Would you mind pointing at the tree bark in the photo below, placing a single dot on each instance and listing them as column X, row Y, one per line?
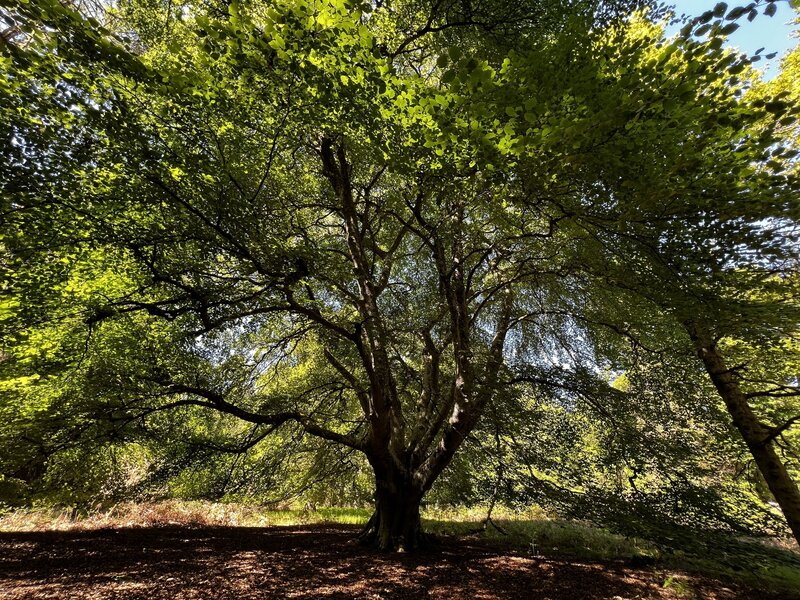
column 395, row 525
column 756, row 435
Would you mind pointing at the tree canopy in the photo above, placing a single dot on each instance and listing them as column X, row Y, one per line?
column 406, row 229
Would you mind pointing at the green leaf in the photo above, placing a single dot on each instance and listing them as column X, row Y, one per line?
column 704, row 29
column 736, row 13
column 705, row 17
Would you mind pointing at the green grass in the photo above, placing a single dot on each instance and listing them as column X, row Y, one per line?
column 176, row 512
column 537, row 533
column 765, row 563
column 780, row 573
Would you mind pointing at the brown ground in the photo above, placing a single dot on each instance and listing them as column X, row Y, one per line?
column 314, row 561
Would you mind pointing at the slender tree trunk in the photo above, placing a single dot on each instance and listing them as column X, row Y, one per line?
column 756, row 435
column 395, row 524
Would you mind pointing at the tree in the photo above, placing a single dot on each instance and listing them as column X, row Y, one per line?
column 350, row 220
column 716, row 249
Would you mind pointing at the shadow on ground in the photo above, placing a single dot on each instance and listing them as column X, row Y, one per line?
column 315, row 561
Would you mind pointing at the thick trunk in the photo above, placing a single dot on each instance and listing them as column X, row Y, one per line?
column 395, row 524
column 756, row 435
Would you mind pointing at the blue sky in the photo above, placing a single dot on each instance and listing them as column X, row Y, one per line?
column 774, row 34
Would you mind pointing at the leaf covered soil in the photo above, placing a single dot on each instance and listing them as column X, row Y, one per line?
column 315, row 561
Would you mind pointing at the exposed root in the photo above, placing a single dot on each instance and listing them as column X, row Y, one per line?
column 375, row 536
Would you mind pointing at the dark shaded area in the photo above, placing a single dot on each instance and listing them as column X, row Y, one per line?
column 302, row 562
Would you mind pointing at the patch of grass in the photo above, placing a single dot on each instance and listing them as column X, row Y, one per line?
column 772, row 575
column 680, row 586
column 788, row 577
column 539, row 533
column 188, row 513
column 759, row 563
column 345, row 516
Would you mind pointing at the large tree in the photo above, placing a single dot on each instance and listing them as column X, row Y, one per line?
column 353, row 220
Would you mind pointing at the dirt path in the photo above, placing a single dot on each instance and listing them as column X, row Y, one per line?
column 303, row 562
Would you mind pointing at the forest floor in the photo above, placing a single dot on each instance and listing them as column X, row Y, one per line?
column 115, row 558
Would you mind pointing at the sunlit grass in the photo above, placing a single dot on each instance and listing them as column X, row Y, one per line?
column 190, row 513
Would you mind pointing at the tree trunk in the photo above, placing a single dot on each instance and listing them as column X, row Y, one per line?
column 756, row 435
column 395, row 525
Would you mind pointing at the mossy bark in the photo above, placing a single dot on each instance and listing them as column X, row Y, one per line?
column 756, row 435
